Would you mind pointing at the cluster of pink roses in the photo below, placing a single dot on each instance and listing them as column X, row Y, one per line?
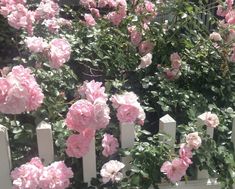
column 128, row 108
column 34, row 175
column 174, row 71
column 120, row 7
column 19, row 91
column 19, row 16
column 85, row 116
column 227, row 11
column 57, row 51
column 176, row 169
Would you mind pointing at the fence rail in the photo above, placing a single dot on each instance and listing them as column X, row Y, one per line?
column 46, row 152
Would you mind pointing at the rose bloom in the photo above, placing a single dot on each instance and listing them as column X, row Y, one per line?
column 35, row 44
column 55, row 176
column 47, row 9
column 214, row 36
column 101, row 114
column 221, row 11
column 89, row 20
column 59, row 53
column 193, row 140
column 127, row 113
column 26, row 176
column 19, row 92
column 145, row 47
column 172, row 74
column 110, row 145
column 88, row 3
column 78, row 145
column 230, row 17
column 185, row 154
column 146, row 61
column 136, row 36
column 52, row 25
column 21, row 17
column 174, row 170
column 110, row 171
column 95, row 12
column 80, row 116
column 92, row 90
column 211, row 120
column 125, row 98
column 175, row 61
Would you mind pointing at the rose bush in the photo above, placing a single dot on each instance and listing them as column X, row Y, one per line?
column 160, row 50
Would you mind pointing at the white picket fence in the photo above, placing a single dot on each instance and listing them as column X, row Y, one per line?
column 46, row 151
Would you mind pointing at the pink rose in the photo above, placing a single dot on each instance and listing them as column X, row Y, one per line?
column 174, row 170
column 21, row 17
column 221, row 11
column 26, row 176
column 145, row 47
column 186, row 154
column 59, row 53
column 19, row 92
column 127, row 113
column 47, row 9
column 35, row 44
column 211, row 120
column 101, row 111
column 78, row 145
column 88, row 3
column 172, row 74
column 55, row 176
column 175, row 61
column 145, row 61
column 136, row 36
column 90, row 21
column 214, row 36
column 230, row 17
column 52, row 25
column 110, row 145
column 193, row 140
column 80, row 116
column 92, row 90
column 110, row 171
column 95, row 12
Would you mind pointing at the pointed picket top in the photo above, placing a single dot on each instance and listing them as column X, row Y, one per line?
column 45, row 142
column 5, row 159
column 201, row 121
column 167, row 125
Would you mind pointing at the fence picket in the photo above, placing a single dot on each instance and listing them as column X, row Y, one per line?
column 45, row 142
column 127, row 138
column 5, row 159
column 89, row 163
column 167, row 125
column 233, row 133
column 203, row 174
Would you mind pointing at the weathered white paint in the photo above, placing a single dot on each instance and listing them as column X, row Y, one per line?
column 127, row 138
column 233, row 132
column 5, row 159
column 203, row 174
column 167, row 125
column 89, row 163
column 45, row 142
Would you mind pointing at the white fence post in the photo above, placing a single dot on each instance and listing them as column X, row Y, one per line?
column 203, row 174
column 233, row 133
column 89, row 163
column 5, row 159
column 45, row 142
column 127, row 138
column 167, row 125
